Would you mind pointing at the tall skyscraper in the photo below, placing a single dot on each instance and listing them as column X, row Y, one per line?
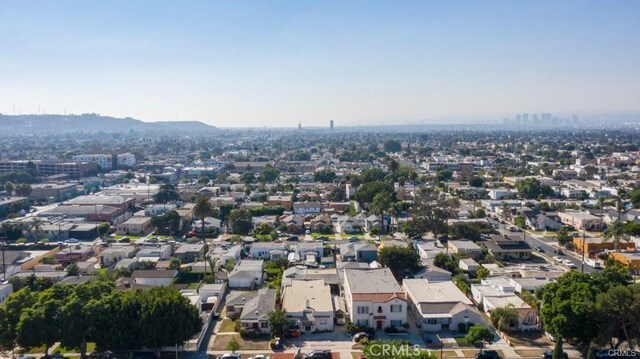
column 331, row 125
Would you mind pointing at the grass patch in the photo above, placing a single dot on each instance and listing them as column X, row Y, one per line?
column 220, row 343
column 36, row 350
column 462, row 342
column 445, row 353
column 533, row 353
column 470, row 353
column 194, row 286
column 227, row 326
column 91, row 347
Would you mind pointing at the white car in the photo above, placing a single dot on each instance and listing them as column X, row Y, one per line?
column 557, row 259
column 260, row 356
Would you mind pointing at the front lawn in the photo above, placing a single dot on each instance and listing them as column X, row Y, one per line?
column 462, row 342
column 220, row 343
column 227, row 326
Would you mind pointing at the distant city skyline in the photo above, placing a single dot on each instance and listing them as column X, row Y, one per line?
column 277, row 64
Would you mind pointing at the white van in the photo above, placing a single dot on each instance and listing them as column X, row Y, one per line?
column 592, row 263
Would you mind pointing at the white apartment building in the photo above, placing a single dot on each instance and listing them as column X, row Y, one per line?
column 106, row 161
column 374, row 298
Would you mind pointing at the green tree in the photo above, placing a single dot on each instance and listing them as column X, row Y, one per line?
column 265, row 232
column 233, row 345
column 520, row 222
column 167, row 193
column 391, row 146
column 618, row 311
column 369, row 190
column 444, row 175
column 400, row 260
column 72, row 269
column 616, row 232
column 557, row 349
column 202, row 210
column 103, row 229
column 430, row 211
column 10, row 314
column 530, row 188
column 41, row 324
column 563, row 236
column 504, row 318
column 324, row 176
column 277, row 321
column 380, row 204
column 482, row 272
column 269, row 174
column 479, row 334
column 240, row 221
column 81, row 313
column 175, row 264
column 34, row 228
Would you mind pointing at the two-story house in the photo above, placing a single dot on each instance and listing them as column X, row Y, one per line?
column 374, row 298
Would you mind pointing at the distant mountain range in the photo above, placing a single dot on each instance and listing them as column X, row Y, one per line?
column 92, row 123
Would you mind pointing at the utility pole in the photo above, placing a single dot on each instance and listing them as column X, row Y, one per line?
column 4, row 264
column 583, row 243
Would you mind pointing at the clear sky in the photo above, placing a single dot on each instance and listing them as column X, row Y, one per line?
column 270, row 63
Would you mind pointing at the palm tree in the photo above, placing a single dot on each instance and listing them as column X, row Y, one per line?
column 381, row 203
column 202, row 210
column 616, row 232
column 504, row 318
column 34, row 228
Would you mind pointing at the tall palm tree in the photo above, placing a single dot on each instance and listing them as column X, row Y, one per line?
column 380, row 204
column 504, row 318
column 34, row 228
column 202, row 210
column 616, row 232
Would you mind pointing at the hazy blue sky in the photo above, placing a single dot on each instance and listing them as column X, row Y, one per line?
column 268, row 63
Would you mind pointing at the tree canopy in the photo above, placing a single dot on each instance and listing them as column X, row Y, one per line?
column 400, row 260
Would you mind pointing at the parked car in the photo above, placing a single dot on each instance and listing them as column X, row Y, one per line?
column 292, row 239
column 488, row 354
column 353, row 239
column 230, row 356
column 322, row 238
column 359, row 336
column 260, row 356
column 549, row 355
column 539, row 249
column 558, row 251
column 318, row 354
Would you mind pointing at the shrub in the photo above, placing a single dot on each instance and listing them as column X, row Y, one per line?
column 391, row 329
column 237, row 326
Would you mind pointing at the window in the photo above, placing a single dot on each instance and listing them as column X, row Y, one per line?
column 363, row 322
column 362, row 310
column 396, row 323
column 379, row 309
column 323, row 321
column 432, row 321
column 396, row 308
column 264, row 325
